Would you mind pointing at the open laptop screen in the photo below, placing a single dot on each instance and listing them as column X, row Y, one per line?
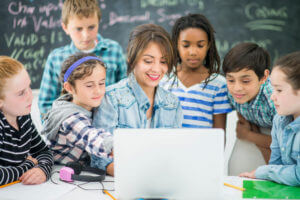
column 169, row 163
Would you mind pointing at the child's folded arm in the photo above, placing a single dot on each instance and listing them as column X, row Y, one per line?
column 284, row 174
column 12, row 173
column 42, row 153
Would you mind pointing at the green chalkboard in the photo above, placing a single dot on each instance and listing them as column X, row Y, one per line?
column 30, row 29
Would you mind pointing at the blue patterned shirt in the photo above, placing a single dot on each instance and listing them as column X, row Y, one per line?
column 284, row 164
column 259, row 111
column 108, row 50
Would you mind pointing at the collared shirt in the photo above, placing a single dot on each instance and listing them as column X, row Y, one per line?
column 125, row 105
column 108, row 50
column 284, row 164
column 76, row 139
column 200, row 101
column 260, row 110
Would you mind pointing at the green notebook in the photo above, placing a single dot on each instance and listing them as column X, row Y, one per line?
column 269, row 190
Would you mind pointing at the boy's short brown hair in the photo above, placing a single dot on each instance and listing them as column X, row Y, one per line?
column 80, row 8
column 9, row 67
column 248, row 56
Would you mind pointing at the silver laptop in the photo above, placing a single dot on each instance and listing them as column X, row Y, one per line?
column 169, row 163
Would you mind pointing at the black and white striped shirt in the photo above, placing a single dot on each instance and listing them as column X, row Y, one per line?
column 16, row 145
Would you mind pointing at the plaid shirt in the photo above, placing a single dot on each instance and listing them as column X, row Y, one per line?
column 77, row 138
column 108, row 50
column 260, row 110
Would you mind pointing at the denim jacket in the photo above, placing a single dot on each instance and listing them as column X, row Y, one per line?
column 125, row 105
column 284, row 164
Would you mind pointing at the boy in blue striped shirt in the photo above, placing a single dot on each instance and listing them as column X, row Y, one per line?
column 80, row 20
column 246, row 67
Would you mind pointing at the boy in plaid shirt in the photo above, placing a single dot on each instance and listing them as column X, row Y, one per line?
column 246, row 67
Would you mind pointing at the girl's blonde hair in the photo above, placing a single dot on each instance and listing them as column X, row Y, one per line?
column 83, row 70
column 9, row 67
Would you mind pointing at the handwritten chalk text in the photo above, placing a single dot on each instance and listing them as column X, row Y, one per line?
column 115, row 18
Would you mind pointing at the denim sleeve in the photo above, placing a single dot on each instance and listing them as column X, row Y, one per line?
column 276, row 171
column 284, row 174
column 100, row 162
column 50, row 86
column 275, row 158
column 106, row 115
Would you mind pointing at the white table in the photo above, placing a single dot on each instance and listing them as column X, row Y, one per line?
column 229, row 193
column 66, row 191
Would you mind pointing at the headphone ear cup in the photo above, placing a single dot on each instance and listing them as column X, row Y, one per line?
column 77, row 167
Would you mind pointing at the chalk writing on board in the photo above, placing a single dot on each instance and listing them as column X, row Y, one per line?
column 16, row 8
column 171, row 3
column 167, row 17
column 47, row 22
column 264, row 18
column 115, row 18
column 32, row 28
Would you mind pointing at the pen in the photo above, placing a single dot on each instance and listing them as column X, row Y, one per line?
column 2, row 186
column 235, row 187
column 111, row 196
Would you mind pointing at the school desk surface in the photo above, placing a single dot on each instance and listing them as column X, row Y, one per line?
column 59, row 190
